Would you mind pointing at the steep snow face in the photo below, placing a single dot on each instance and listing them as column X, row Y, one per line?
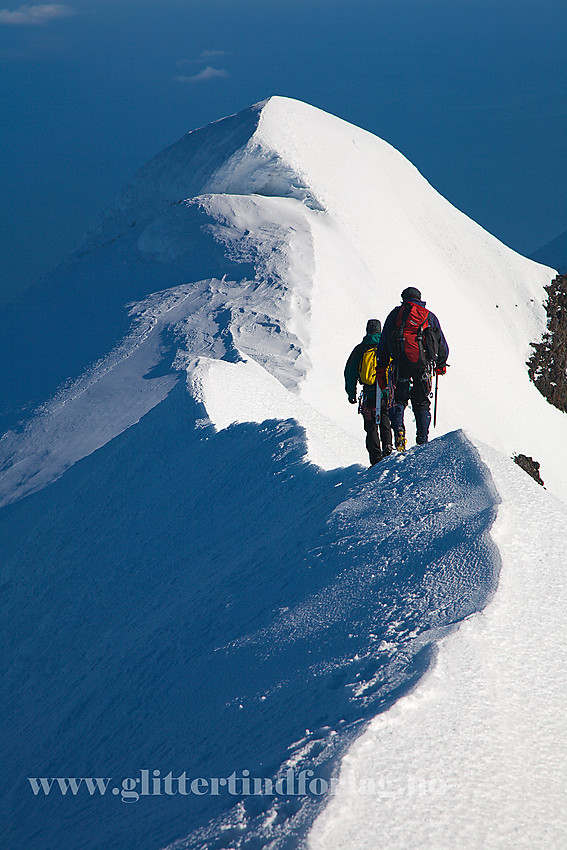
column 281, row 229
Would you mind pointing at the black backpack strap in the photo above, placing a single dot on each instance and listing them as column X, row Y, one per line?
column 397, row 348
column 403, row 315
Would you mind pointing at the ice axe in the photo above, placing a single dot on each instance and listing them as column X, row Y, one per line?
column 435, row 401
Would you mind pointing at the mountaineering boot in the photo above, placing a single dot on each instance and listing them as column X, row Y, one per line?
column 387, row 450
column 421, row 440
column 401, row 439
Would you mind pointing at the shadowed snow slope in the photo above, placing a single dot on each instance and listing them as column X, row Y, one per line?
column 208, row 602
column 199, row 575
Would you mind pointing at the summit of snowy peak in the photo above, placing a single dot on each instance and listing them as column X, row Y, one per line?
column 228, row 156
column 176, row 173
column 279, row 147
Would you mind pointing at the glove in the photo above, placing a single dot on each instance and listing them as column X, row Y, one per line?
column 352, row 399
column 440, row 370
column 381, row 377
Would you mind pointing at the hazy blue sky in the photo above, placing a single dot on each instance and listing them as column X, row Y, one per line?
column 473, row 92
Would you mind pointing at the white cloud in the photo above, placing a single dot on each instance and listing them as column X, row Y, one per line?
column 29, row 16
column 211, row 54
column 204, row 56
column 207, row 73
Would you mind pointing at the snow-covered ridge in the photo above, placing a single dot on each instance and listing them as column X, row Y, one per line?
column 198, row 567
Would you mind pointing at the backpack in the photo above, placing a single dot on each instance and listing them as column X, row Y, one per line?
column 367, row 367
column 413, row 338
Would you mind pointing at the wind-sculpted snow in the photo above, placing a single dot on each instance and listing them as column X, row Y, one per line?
column 166, row 230
column 179, row 172
column 270, row 240
column 251, row 315
column 162, row 618
column 474, row 757
column 226, row 157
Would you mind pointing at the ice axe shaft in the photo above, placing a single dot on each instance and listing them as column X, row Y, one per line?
column 435, row 402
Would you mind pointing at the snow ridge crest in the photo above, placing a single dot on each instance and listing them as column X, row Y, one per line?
column 224, row 157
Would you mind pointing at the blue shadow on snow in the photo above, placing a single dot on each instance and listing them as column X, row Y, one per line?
column 186, row 600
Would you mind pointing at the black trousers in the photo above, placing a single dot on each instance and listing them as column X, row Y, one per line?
column 376, row 434
column 412, row 382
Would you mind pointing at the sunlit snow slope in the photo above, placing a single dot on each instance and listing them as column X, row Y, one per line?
column 199, row 571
